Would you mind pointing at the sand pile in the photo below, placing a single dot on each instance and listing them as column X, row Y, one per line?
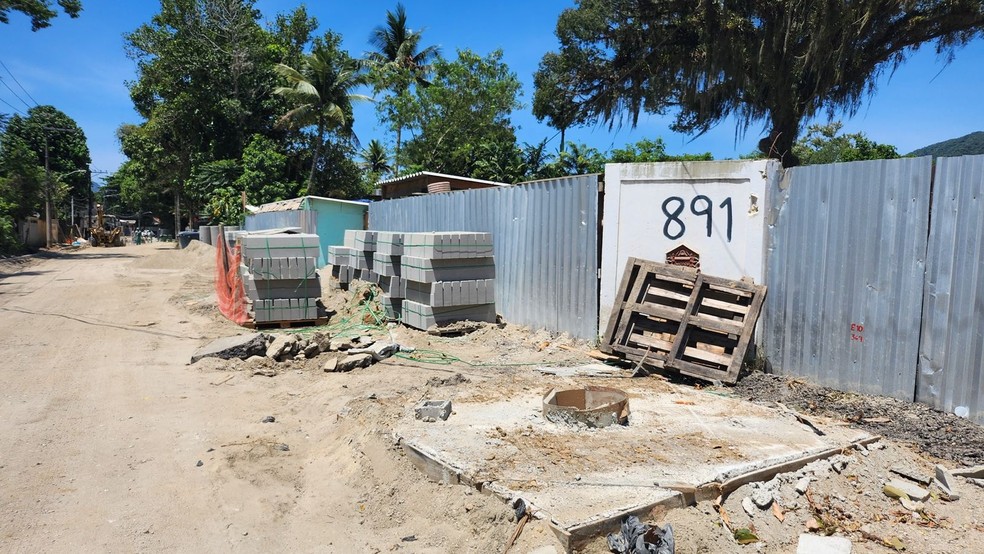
column 196, row 256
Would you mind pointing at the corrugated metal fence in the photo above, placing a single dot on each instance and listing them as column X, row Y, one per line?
column 305, row 219
column 545, row 241
column 952, row 349
column 859, row 298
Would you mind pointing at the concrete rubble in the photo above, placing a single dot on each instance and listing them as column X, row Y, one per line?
column 228, row 348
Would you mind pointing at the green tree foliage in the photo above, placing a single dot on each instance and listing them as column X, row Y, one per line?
column 468, row 104
column 21, row 188
column 263, row 168
column 398, row 63
column 823, row 145
column 777, row 62
column 647, row 150
column 204, row 86
column 40, row 11
column 375, row 162
column 68, row 152
column 555, row 99
column 321, row 94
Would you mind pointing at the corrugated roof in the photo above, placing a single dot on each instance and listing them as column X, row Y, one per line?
column 441, row 175
column 281, row 206
column 297, row 204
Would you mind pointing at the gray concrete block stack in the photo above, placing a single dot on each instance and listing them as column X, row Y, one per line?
column 279, row 276
column 427, row 279
column 449, row 277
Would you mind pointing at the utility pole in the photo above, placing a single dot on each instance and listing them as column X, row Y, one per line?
column 47, row 195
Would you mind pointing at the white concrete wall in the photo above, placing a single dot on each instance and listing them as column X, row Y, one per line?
column 642, row 199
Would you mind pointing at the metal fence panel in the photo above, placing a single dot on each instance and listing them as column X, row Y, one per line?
column 846, row 248
column 305, row 219
column 952, row 348
column 545, row 237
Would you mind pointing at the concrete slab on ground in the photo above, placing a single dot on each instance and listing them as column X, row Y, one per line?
column 682, row 445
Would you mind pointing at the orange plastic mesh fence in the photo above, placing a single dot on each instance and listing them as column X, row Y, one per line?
column 229, row 282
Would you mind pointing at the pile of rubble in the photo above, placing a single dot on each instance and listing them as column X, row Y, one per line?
column 350, row 352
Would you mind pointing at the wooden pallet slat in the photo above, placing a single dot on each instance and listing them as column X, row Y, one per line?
column 711, row 327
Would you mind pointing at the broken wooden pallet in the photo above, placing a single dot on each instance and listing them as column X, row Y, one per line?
column 676, row 318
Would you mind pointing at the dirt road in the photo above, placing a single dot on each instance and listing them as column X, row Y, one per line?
column 103, row 425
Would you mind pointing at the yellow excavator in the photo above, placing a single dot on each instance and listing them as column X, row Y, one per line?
column 104, row 234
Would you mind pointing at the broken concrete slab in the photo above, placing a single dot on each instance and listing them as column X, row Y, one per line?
column 748, row 505
column 236, row 347
column 947, row 483
column 896, row 488
column 762, row 497
column 976, row 472
column 681, row 446
column 816, row 544
column 281, row 344
column 330, row 366
column 911, row 474
column 354, row 361
column 803, row 484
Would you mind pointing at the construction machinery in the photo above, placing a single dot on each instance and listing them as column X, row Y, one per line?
column 105, row 233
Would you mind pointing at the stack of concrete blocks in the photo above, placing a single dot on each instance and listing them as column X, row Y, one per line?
column 449, row 277
column 279, row 276
column 387, row 266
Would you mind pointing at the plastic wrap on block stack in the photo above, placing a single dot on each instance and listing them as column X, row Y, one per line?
column 279, row 276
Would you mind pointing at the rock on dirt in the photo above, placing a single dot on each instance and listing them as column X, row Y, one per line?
column 354, row 361
column 235, row 347
column 281, row 345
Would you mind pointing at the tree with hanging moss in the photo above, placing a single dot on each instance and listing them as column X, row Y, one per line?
column 775, row 62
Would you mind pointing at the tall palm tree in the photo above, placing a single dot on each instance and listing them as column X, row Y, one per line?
column 321, row 92
column 375, row 160
column 399, row 55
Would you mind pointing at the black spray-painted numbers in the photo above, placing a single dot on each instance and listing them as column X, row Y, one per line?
column 673, row 207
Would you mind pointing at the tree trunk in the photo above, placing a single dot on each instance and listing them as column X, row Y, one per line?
column 779, row 143
column 318, row 141
column 563, row 132
column 396, row 155
column 177, row 216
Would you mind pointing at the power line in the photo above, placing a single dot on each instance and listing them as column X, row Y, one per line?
column 12, row 91
column 13, row 107
column 3, row 65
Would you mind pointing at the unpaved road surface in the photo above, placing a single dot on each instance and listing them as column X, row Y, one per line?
column 111, row 442
column 103, row 424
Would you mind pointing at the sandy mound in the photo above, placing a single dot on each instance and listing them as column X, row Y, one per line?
column 197, row 256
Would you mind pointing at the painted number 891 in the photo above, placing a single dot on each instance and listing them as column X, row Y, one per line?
column 701, row 205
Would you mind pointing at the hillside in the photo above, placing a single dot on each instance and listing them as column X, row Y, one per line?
column 963, row 146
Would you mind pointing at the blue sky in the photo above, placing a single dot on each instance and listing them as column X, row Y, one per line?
column 79, row 66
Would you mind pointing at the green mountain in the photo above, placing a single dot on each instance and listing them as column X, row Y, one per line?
column 963, row 146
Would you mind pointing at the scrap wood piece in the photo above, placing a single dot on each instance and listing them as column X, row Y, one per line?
column 711, row 320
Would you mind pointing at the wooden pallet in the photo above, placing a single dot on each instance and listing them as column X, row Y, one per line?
column 676, row 318
column 287, row 324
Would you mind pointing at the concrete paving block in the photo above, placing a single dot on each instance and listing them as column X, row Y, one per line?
column 433, row 410
column 239, row 346
column 393, row 307
column 286, row 288
column 422, row 316
column 362, row 260
column 340, row 255
column 389, row 243
column 364, row 240
column 304, row 245
column 427, row 270
column 394, row 287
column 386, row 264
column 816, row 544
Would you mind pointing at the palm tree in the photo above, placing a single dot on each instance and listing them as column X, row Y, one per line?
column 321, row 92
column 399, row 57
column 375, row 160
